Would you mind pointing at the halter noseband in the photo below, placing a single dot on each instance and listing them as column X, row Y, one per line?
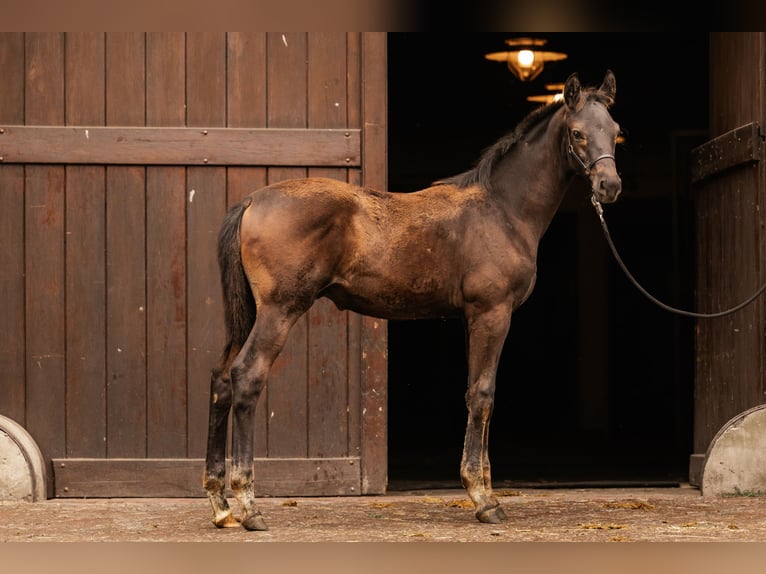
column 586, row 166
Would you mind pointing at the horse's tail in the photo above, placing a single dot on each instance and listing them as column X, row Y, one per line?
column 238, row 301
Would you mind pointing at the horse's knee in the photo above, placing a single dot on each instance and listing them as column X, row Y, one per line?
column 247, row 385
column 246, row 396
column 220, row 389
column 480, row 400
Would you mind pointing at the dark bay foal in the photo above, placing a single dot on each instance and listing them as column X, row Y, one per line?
column 465, row 247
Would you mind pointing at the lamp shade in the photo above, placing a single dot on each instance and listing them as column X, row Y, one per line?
column 525, row 60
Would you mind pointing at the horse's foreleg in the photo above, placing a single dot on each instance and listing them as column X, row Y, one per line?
column 215, row 461
column 486, row 334
column 249, row 373
column 475, row 467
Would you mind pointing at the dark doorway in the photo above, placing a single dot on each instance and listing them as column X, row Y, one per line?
column 595, row 382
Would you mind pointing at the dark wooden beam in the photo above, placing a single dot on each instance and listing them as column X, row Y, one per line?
column 179, row 146
column 147, row 477
column 737, row 147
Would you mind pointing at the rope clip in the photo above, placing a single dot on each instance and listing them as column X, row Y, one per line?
column 597, row 204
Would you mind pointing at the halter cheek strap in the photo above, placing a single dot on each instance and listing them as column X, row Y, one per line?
column 586, row 166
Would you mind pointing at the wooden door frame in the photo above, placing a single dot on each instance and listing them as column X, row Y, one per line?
column 728, row 175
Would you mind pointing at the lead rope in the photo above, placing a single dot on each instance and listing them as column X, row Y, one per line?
column 745, row 303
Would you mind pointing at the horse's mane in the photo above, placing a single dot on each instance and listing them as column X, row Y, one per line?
column 482, row 171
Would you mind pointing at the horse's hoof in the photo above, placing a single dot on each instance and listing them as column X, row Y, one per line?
column 226, row 521
column 254, row 522
column 494, row 515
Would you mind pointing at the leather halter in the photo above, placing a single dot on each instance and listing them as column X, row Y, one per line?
column 586, row 166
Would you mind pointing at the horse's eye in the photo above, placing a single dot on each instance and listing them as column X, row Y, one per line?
column 577, row 134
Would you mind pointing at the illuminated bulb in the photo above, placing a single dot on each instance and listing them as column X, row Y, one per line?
column 526, row 58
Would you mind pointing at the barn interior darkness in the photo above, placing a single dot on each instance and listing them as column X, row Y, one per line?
column 595, row 382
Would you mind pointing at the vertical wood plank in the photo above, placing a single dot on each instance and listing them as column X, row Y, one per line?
column 246, row 79
column 354, row 119
column 125, row 78
column 166, row 312
column 12, row 88
column 12, row 348
column 126, row 313
column 327, row 327
column 165, row 79
column 246, row 103
column 166, row 256
column 45, row 341
column 205, row 209
column 12, row 339
column 287, row 397
column 85, row 310
column 354, row 371
column 760, row 208
column 44, row 89
column 44, row 264
column 373, row 331
column 85, row 78
column 126, row 255
column 85, row 262
column 206, row 79
column 327, row 97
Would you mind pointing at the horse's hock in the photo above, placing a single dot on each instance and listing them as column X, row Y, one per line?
column 735, row 463
column 22, row 468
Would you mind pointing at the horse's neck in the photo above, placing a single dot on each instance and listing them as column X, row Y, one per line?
column 531, row 180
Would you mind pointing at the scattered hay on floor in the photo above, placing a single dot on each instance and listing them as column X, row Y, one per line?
column 629, row 505
column 593, row 526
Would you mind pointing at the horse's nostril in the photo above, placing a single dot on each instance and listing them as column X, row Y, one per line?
column 610, row 185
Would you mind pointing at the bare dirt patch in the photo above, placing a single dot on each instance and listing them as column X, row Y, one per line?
column 548, row 515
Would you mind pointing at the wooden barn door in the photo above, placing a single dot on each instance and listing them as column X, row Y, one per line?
column 730, row 194
column 119, row 155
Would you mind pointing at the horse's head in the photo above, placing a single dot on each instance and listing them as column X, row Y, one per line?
column 591, row 135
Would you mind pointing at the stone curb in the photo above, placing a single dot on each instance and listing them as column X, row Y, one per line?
column 22, row 467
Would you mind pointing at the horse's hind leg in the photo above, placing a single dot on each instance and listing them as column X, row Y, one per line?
column 215, row 462
column 486, row 335
column 249, row 375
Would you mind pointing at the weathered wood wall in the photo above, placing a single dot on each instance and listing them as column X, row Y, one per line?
column 120, row 155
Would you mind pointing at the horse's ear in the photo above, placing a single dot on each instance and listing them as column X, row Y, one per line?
column 572, row 91
column 609, row 85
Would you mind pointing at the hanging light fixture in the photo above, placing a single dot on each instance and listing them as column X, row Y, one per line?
column 525, row 59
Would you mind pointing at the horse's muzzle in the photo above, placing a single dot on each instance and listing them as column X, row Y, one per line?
column 606, row 185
